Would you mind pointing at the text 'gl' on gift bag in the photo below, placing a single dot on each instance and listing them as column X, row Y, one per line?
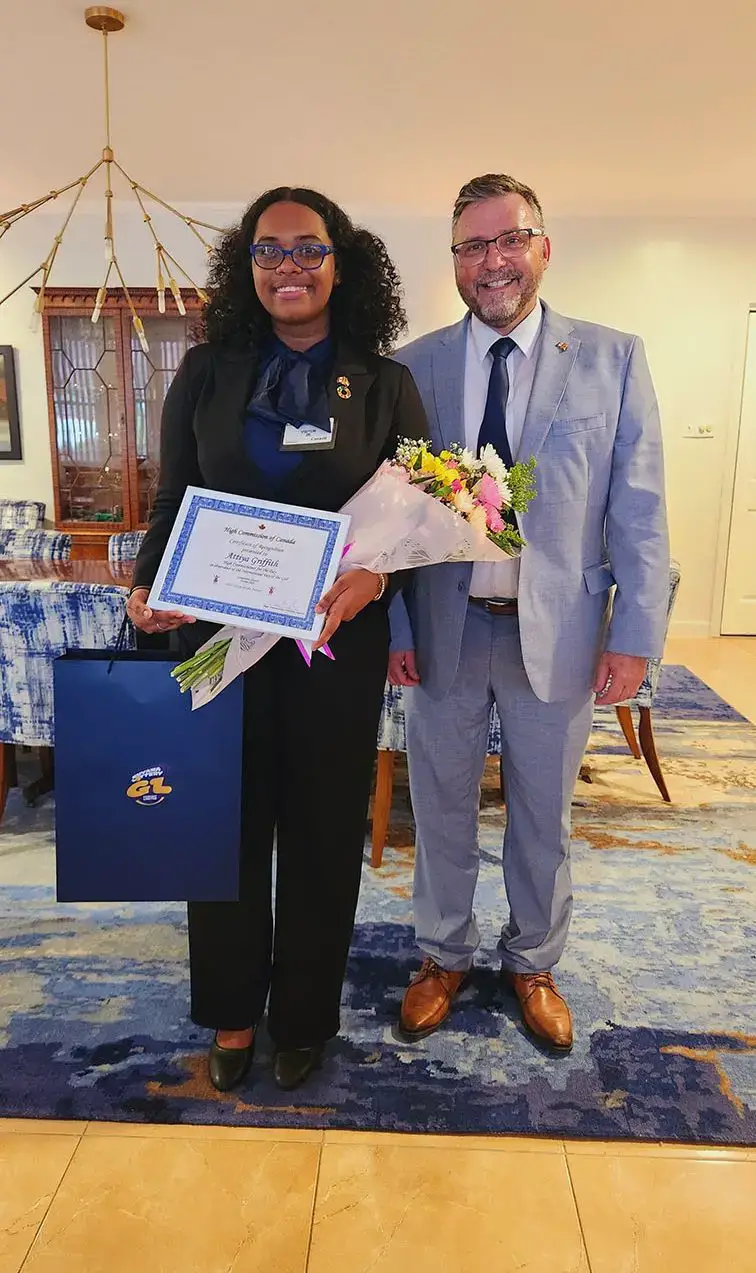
column 148, row 792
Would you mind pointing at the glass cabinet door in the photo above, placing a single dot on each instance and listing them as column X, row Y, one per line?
column 152, row 373
column 89, row 419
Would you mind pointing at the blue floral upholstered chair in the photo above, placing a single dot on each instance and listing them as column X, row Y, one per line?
column 124, row 546
column 21, row 514
column 37, row 545
column 391, row 737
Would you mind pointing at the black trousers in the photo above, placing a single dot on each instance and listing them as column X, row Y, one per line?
column 309, row 749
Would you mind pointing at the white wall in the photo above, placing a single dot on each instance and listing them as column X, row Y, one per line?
column 684, row 286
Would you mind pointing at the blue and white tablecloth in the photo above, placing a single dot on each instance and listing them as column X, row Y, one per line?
column 40, row 620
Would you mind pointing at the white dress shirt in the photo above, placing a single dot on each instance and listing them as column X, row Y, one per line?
column 499, row 579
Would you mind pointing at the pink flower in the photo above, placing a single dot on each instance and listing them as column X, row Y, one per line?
column 489, row 492
column 456, row 485
column 494, row 520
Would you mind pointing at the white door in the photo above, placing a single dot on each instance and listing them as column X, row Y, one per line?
column 739, row 613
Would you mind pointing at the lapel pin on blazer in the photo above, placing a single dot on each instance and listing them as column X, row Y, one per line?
column 342, row 387
column 563, row 346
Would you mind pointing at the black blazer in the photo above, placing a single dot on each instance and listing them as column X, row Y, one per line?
column 202, row 436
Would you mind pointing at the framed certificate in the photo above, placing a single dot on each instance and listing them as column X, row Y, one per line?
column 250, row 563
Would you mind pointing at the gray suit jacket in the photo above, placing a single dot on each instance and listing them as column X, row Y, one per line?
column 598, row 518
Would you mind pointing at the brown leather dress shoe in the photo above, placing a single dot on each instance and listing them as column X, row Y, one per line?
column 428, row 999
column 544, row 1011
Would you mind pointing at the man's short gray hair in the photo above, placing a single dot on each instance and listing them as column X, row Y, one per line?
column 489, row 187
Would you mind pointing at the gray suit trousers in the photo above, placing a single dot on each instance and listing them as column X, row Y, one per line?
column 542, row 748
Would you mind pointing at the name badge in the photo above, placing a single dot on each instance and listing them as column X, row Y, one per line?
column 309, row 437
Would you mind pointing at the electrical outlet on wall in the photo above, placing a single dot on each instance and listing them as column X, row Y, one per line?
column 699, row 431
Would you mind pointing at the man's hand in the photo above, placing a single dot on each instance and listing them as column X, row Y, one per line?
column 350, row 594
column 402, row 668
column 618, row 677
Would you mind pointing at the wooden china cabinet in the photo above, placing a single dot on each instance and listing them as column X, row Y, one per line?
column 105, row 397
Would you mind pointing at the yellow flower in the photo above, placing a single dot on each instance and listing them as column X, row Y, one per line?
column 429, row 463
column 445, row 474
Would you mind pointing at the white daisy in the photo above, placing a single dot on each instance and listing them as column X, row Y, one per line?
column 498, row 471
column 494, row 463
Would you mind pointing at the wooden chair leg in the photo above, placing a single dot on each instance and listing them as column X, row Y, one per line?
column 648, row 747
column 384, row 790
column 46, row 782
column 11, row 763
column 625, row 718
column 8, row 776
column 47, row 762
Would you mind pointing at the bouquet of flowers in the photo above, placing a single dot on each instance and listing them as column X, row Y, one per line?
column 470, row 515
column 419, row 509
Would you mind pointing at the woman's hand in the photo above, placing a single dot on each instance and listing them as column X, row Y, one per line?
column 151, row 621
column 350, row 594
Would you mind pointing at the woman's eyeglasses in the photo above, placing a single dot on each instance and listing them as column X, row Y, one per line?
column 308, row 256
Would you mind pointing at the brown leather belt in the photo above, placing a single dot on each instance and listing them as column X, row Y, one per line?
column 507, row 605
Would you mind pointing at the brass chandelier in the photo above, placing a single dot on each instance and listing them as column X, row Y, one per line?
column 108, row 21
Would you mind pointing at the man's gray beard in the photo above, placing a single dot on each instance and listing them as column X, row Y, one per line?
column 500, row 311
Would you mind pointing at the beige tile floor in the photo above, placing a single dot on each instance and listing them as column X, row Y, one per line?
column 112, row 1198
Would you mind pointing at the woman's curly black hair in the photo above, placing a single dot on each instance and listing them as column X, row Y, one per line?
column 366, row 307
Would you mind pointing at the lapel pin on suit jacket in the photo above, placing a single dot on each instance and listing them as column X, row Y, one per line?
column 562, row 346
column 342, row 387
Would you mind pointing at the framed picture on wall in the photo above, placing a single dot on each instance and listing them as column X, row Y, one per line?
column 10, row 431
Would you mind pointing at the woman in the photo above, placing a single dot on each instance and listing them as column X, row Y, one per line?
column 302, row 307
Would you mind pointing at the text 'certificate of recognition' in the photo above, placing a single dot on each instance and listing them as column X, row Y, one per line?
column 250, row 563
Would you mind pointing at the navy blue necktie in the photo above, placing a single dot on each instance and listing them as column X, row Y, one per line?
column 494, row 426
column 291, row 390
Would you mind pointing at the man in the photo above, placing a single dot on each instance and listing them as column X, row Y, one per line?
column 533, row 635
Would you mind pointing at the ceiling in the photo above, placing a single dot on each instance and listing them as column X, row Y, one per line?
column 606, row 108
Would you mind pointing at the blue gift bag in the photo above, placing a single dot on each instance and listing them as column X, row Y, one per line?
column 147, row 792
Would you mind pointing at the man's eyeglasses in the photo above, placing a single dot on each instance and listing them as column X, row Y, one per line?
column 510, row 243
column 308, row 256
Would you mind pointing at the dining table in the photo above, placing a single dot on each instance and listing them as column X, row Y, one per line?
column 46, row 609
column 100, row 572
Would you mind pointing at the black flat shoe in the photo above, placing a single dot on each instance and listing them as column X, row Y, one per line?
column 292, row 1067
column 228, row 1066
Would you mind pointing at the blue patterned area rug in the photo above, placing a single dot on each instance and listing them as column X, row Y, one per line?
column 660, row 972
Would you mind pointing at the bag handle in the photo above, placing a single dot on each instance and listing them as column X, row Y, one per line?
column 120, row 644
